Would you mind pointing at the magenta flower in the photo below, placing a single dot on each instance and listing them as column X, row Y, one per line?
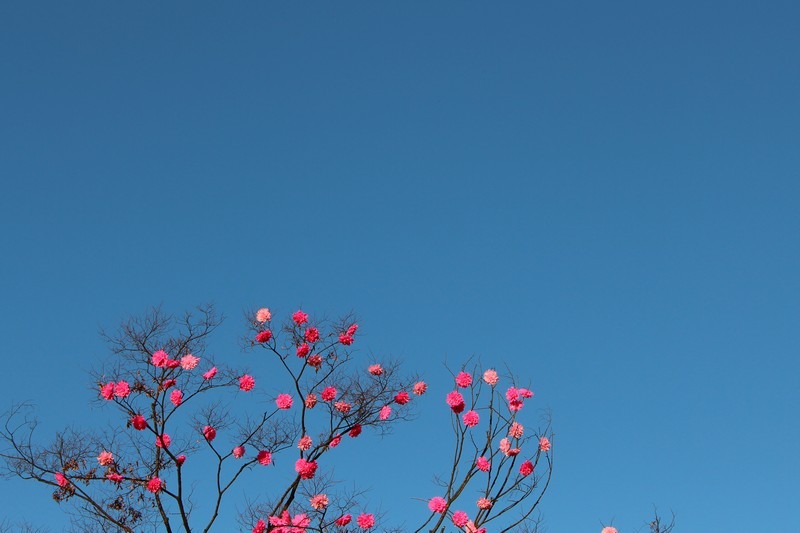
column 238, row 452
column 375, row 370
column 115, row 477
column 159, row 359
column 176, row 397
column 471, row 419
column 456, row 401
column 286, row 524
column 346, row 339
column 263, row 336
column 490, row 377
column 138, row 422
column 343, row 520
column 155, row 485
column 300, row 317
column 263, row 315
column 306, row 469
column 328, row 394
column 526, row 468
column 355, row 431
column 460, row 518
column 173, row 363
column 122, row 389
column 209, row 433
column 385, row 413
column 61, row 479
column 107, row 390
column 105, row 458
column 365, row 521
column 264, row 457
column 483, row 464
column 402, row 398
column 168, row 383
column 180, row 460
column 163, row 441
column 189, row 362
column 335, row 441
column 260, row 527
column 463, row 380
column 247, row 382
column 311, row 334
column 303, row 350
column 210, row 374
column 437, row 504
column 283, row 401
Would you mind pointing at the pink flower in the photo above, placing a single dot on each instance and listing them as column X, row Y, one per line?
column 355, row 431
column 484, row 503
column 263, row 315
column 180, row 460
column 311, row 400
column 512, row 394
column 304, row 443
column 122, row 389
column 189, row 362
column 402, row 398
column 311, row 334
column 168, row 383
column 490, row 377
column 463, row 380
column 163, row 441
column 343, row 520
column 515, row 405
column 260, row 527
column 210, row 374
column 470, row 527
column 544, row 444
column 107, row 390
column 328, row 394
column 209, row 433
column 375, row 370
column 342, row 406
column 306, row 469
column 176, row 397
column 283, row 401
column 247, row 382
column 155, row 485
column 300, row 317
column 314, row 361
column 264, row 457
column 105, row 458
column 346, row 339
column 386, row 412
column 437, row 504
column 525, row 393
column 352, row 329
column 319, row 501
column 505, row 447
column 471, row 419
column 303, row 350
column 138, row 422
column 115, row 477
column 609, row 529
column 159, row 359
column 61, row 480
column 286, row 524
column 419, row 388
column 238, row 452
column 365, row 521
column 516, row 430
column 173, row 363
column 335, row 441
column 456, row 401
column 460, row 518
column 526, row 468
column 483, row 464
column 263, row 336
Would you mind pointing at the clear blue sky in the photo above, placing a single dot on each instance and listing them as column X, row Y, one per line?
column 602, row 195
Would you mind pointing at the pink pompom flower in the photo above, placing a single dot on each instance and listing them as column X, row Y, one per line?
column 260, row 527
column 176, row 397
column 138, row 422
column 483, row 464
column 355, row 431
column 460, row 518
column 210, row 374
column 402, row 398
column 107, row 390
column 609, row 529
column 115, row 477
column 122, row 389
column 437, row 504
column 283, row 401
column 419, row 388
column 375, row 370
column 544, row 444
column 365, row 521
column 471, row 418
column 209, row 433
column 463, row 379
column 105, row 458
column 163, row 441
column 526, row 468
column 247, row 382
column 456, row 401
column 304, row 443
column 305, row 468
column 238, row 452
column 342, row 406
column 328, row 394
column 189, row 362
column 311, row 334
column 311, row 400
column 263, row 315
column 516, row 430
column 490, row 377
column 345, row 339
column 484, row 503
column 385, row 413
column 180, row 460
column 155, row 485
column 300, row 317
column 263, row 336
column 303, row 350
column 319, row 501
column 159, row 359
column 264, row 457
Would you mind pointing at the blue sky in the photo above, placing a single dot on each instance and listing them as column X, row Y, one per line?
column 602, row 196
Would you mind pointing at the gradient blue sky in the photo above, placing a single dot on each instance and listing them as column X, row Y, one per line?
column 602, row 195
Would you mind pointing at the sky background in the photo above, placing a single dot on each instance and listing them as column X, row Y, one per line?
column 603, row 196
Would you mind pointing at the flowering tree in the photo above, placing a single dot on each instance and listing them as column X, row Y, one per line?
column 179, row 426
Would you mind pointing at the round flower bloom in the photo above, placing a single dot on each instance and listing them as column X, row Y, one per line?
column 283, row 401
column 260, row 527
column 515, row 405
column 437, row 504
column 314, row 361
column 306, row 469
column 105, row 458
column 525, row 393
column 460, row 518
column 176, row 397
column 484, row 503
column 343, row 520
column 138, row 422
column 483, row 464
column 107, row 390
column 609, row 529
column 247, row 382
column 300, row 317
column 189, row 362
column 420, row 387
column 311, row 334
column 463, row 379
column 512, row 394
column 122, row 389
column 264, row 457
column 159, row 359
column 209, row 433
column 342, row 406
column 210, row 374
column 168, row 383
column 155, row 485
column 505, row 447
column 471, row 419
column 180, row 460
column 365, row 521
column 311, row 400
column 490, row 377
column 402, row 398
column 303, row 350
column 335, row 441
column 456, row 401
column 544, row 444
column 516, row 430
column 328, row 394
column 61, row 479
column 163, row 441
column 319, row 501
column 263, row 315
column 355, row 431
column 526, row 468
column 375, row 370
column 238, row 452
column 115, row 477
column 263, row 336
column 304, row 443
column 346, row 339
column 287, row 524
column 385, row 413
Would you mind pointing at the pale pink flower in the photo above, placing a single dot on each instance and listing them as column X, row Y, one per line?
column 122, row 389
column 402, row 398
column 526, row 468
column 209, row 433
column 437, row 504
column 263, row 336
column 115, row 477
column 505, row 447
column 264, row 457
column 311, row 400
column 189, row 362
column 609, row 529
column 319, row 501
column 483, row 464
column 247, row 382
column 463, row 379
column 304, row 443
column 375, row 370
column 61, row 479
column 342, row 406
column 155, row 485
column 107, row 390
column 355, row 431
column 283, row 401
column 210, row 374
column 335, row 441
column 263, row 315
column 516, row 430
column 328, row 394
column 544, row 444
column 305, row 468
column 300, row 317
column 163, row 441
column 238, row 452
column 303, row 350
column 456, row 401
column 365, row 521
column 460, row 518
column 484, row 503
column 471, row 418
column 105, row 458
column 470, row 527
column 419, row 388
column 385, row 413
column 490, row 377
column 343, row 520
column 138, row 422
column 176, row 397
column 311, row 334
column 159, row 358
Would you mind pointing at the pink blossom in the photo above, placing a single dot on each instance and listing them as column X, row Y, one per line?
column 155, row 485
column 352, row 329
column 463, row 379
column 456, row 401
column 328, row 394
column 437, row 504
column 490, row 377
column 210, row 374
column 342, row 406
column 264, row 457
column 346, row 339
column 526, row 468
column 544, row 444
column 238, row 452
column 306, row 469
column 515, row 405
column 365, row 521
column 107, row 390
column 61, row 479
column 163, row 441
column 311, row 400
column 189, row 362
column 122, row 389
column 505, row 447
column 263, row 315
column 402, row 398
column 375, row 370
column 105, row 458
column 483, row 464
column 343, row 520
column 335, row 441
column 263, row 336
column 470, row 527
column 168, row 383
column 115, row 477
column 303, row 350
column 173, row 363
column 286, row 524
column 512, row 394
column 304, row 443
column 319, row 501
column 525, row 393
column 247, row 382
column 176, row 397
column 385, row 413
column 355, row 431
column 209, row 433
column 471, row 419
column 516, row 430
column 138, row 422
column 180, row 460
column 460, row 518
column 419, row 388
column 314, row 361
column 283, row 401
column 300, row 317
column 484, row 503
column 159, row 359
column 311, row 334
column 260, row 527
column 609, row 529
